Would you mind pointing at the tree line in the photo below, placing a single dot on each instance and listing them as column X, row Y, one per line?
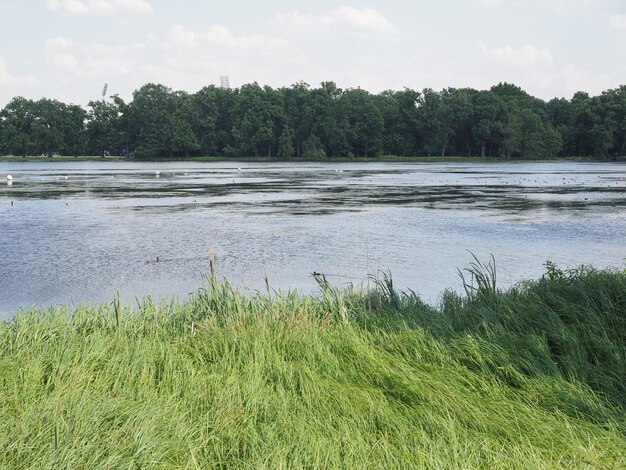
column 315, row 123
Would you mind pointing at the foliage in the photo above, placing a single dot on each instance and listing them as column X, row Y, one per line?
column 43, row 127
column 312, row 148
column 263, row 122
column 527, row 378
column 103, row 130
column 286, row 148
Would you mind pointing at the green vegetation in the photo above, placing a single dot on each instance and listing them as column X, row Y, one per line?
column 60, row 158
column 533, row 377
column 320, row 123
column 385, row 158
column 381, row 158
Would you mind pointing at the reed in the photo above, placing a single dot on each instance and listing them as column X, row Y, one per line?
column 531, row 377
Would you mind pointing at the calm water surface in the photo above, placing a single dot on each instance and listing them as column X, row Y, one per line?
column 78, row 231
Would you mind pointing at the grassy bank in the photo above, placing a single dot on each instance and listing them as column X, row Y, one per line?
column 385, row 158
column 529, row 378
column 64, row 158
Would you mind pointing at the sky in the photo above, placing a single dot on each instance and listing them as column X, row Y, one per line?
column 68, row 49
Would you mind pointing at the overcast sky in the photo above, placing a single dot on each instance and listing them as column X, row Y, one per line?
column 67, row 49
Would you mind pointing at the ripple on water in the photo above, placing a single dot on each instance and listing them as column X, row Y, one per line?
column 78, row 239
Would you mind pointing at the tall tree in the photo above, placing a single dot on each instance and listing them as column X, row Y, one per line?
column 489, row 119
column 184, row 140
column 103, row 128
column 150, row 121
column 17, row 122
column 159, row 122
column 297, row 101
column 256, row 119
column 286, row 148
column 365, row 123
column 329, row 120
column 205, row 119
column 320, row 122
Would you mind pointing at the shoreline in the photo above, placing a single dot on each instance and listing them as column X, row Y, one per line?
column 383, row 159
column 530, row 377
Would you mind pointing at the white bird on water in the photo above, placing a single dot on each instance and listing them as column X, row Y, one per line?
column 9, row 178
column 157, row 173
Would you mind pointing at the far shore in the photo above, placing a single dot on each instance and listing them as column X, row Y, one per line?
column 385, row 158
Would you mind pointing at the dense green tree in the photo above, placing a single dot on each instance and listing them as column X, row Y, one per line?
column 489, row 117
column 296, row 110
column 256, row 119
column 430, row 112
column 463, row 99
column 286, row 148
column 322, row 122
column 160, row 122
column 583, row 119
column 445, row 116
column 607, row 134
column 205, row 120
column 513, row 134
column 400, row 117
column 560, row 112
column 42, row 127
column 529, row 134
column 103, row 128
column 313, row 148
column 123, row 123
column 75, row 137
column 16, row 130
column 48, row 126
column 329, row 119
column 184, row 139
column 365, row 123
column 440, row 116
column 150, row 121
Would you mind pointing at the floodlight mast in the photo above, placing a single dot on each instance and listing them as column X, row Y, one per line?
column 224, row 82
column 104, row 90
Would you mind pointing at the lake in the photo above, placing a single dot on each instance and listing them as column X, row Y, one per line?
column 76, row 232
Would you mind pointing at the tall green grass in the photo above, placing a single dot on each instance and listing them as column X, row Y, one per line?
column 533, row 377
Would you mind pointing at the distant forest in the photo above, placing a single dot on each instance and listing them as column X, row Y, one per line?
column 317, row 123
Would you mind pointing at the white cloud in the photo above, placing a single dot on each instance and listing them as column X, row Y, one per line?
column 90, row 61
column 594, row 12
column 183, row 59
column 577, row 7
column 364, row 20
column 571, row 4
column 536, row 70
column 58, row 42
column 618, row 21
column 11, row 8
column 219, row 36
column 527, row 56
column 484, row 3
column 9, row 79
column 351, row 46
column 99, row 7
column 195, row 58
column 569, row 79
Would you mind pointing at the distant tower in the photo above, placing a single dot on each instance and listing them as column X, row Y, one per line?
column 104, row 90
column 224, row 82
